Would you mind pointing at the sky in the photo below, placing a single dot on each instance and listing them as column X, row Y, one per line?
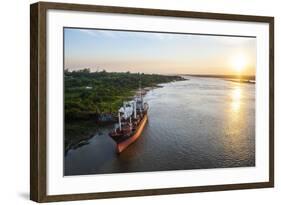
column 161, row 53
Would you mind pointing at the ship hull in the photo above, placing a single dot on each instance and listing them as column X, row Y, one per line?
column 121, row 146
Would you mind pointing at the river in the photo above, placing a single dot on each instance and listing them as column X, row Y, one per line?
column 199, row 123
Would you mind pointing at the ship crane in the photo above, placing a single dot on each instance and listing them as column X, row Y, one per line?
column 126, row 112
column 130, row 129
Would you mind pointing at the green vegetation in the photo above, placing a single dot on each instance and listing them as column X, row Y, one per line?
column 89, row 94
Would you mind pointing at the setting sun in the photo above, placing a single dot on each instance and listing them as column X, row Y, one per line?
column 238, row 63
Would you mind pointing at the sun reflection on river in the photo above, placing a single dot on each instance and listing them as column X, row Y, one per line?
column 236, row 144
column 236, row 99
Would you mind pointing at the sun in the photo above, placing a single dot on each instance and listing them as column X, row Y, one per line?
column 238, row 63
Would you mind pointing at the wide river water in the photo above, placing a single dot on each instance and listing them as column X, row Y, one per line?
column 195, row 124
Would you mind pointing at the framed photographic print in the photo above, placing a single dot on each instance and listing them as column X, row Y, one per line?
column 133, row 102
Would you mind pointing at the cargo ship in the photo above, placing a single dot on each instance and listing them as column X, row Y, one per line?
column 132, row 118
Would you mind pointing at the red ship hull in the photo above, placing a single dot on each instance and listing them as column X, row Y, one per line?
column 124, row 144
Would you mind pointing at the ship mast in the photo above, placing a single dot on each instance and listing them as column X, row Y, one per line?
column 140, row 88
column 140, row 93
column 119, row 120
column 135, row 109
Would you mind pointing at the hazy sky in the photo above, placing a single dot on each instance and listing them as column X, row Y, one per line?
column 158, row 52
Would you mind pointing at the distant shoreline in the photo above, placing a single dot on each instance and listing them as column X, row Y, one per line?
column 242, row 77
column 241, row 81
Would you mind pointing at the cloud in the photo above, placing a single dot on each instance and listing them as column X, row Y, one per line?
column 89, row 32
column 98, row 33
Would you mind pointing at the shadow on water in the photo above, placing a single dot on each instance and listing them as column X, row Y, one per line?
column 91, row 154
column 79, row 133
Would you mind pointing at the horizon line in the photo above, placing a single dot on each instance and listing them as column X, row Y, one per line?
column 185, row 74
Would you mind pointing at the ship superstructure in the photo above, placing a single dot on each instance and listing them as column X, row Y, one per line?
column 132, row 117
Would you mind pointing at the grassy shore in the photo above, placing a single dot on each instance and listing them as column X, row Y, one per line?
column 88, row 96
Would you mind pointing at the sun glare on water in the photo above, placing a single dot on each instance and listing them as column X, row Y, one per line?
column 236, row 99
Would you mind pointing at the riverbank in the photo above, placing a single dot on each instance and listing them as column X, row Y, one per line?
column 92, row 99
column 78, row 133
column 87, row 93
